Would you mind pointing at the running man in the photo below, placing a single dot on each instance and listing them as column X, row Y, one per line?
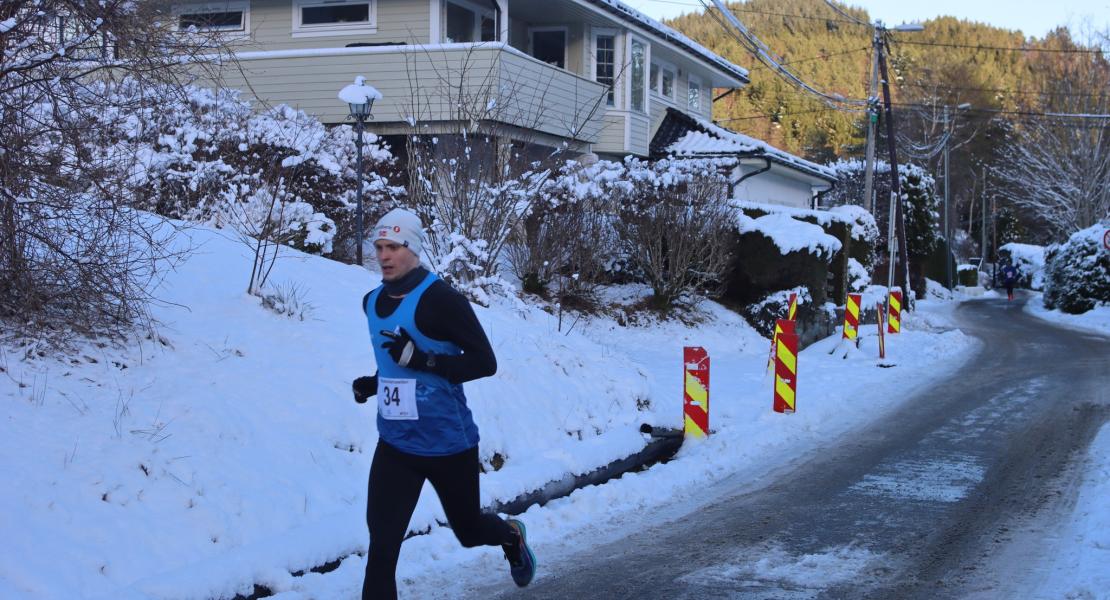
column 1009, row 279
column 427, row 342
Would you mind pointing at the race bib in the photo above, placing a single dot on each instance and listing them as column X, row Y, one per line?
column 397, row 399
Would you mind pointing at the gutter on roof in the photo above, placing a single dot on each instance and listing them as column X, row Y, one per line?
column 795, row 166
column 766, row 168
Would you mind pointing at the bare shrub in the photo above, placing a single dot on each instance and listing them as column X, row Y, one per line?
column 74, row 254
column 675, row 223
column 470, row 183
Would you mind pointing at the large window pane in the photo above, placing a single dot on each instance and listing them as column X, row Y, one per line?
column 343, row 13
column 550, row 47
column 460, row 24
column 605, row 63
column 213, row 21
column 639, row 52
column 489, row 29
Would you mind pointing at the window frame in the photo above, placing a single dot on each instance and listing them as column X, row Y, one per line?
column 196, row 8
column 478, row 11
column 614, row 89
column 692, row 82
column 548, row 28
column 333, row 29
column 645, row 96
column 665, row 67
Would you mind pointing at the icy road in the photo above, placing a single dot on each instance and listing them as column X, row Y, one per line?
column 951, row 497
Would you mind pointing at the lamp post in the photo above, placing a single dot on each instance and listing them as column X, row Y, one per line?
column 947, row 240
column 360, row 99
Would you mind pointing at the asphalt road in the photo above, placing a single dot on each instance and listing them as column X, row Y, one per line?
column 945, row 499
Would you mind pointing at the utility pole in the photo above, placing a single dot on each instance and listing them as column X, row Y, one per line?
column 947, row 233
column 899, row 225
column 983, row 222
column 872, row 119
column 947, row 242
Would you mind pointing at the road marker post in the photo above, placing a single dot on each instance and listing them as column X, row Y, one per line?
column 851, row 318
column 786, row 372
column 882, row 338
column 695, row 396
column 894, row 311
column 791, row 310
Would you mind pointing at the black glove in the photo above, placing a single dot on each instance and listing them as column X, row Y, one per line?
column 364, row 387
column 404, row 351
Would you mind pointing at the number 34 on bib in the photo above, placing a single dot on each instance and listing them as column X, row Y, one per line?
column 397, row 399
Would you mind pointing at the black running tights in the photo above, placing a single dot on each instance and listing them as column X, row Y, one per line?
column 396, row 479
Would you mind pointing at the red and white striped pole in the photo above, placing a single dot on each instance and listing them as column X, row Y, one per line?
column 786, row 370
column 695, row 397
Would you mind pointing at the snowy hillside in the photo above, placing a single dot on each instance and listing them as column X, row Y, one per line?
column 227, row 450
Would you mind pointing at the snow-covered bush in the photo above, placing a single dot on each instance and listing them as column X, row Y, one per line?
column 565, row 244
column 473, row 193
column 668, row 220
column 1029, row 261
column 775, row 305
column 858, row 277
column 277, row 175
column 1077, row 272
column 919, row 200
column 74, row 254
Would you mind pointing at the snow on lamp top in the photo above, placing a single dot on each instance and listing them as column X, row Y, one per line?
column 359, row 96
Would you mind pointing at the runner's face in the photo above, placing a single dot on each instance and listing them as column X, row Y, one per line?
column 396, row 260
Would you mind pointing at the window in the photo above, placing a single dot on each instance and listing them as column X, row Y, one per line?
column 695, row 94
column 662, row 79
column 333, row 17
column 639, row 57
column 468, row 22
column 216, row 16
column 550, row 46
column 605, row 62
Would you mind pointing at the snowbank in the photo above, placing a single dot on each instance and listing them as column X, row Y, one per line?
column 1095, row 320
column 226, row 450
column 1078, row 563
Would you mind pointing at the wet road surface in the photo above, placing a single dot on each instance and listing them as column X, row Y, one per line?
column 937, row 501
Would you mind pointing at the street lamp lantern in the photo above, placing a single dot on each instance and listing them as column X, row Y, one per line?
column 360, row 100
column 908, row 27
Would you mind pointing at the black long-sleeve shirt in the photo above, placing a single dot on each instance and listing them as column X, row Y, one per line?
column 446, row 315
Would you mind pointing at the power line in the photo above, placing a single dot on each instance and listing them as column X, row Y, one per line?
column 759, row 12
column 1001, row 48
column 945, row 88
column 1047, row 116
column 818, row 57
column 770, row 116
column 763, row 53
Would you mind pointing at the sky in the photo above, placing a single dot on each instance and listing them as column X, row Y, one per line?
column 1032, row 17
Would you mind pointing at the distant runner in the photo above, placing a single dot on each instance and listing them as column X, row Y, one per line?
column 427, row 342
column 1009, row 279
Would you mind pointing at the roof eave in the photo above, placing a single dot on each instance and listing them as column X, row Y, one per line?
column 736, row 77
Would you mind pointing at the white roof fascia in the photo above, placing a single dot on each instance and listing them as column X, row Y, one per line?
column 729, row 74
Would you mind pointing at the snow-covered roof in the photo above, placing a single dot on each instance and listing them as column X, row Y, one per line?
column 710, row 139
column 630, row 14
